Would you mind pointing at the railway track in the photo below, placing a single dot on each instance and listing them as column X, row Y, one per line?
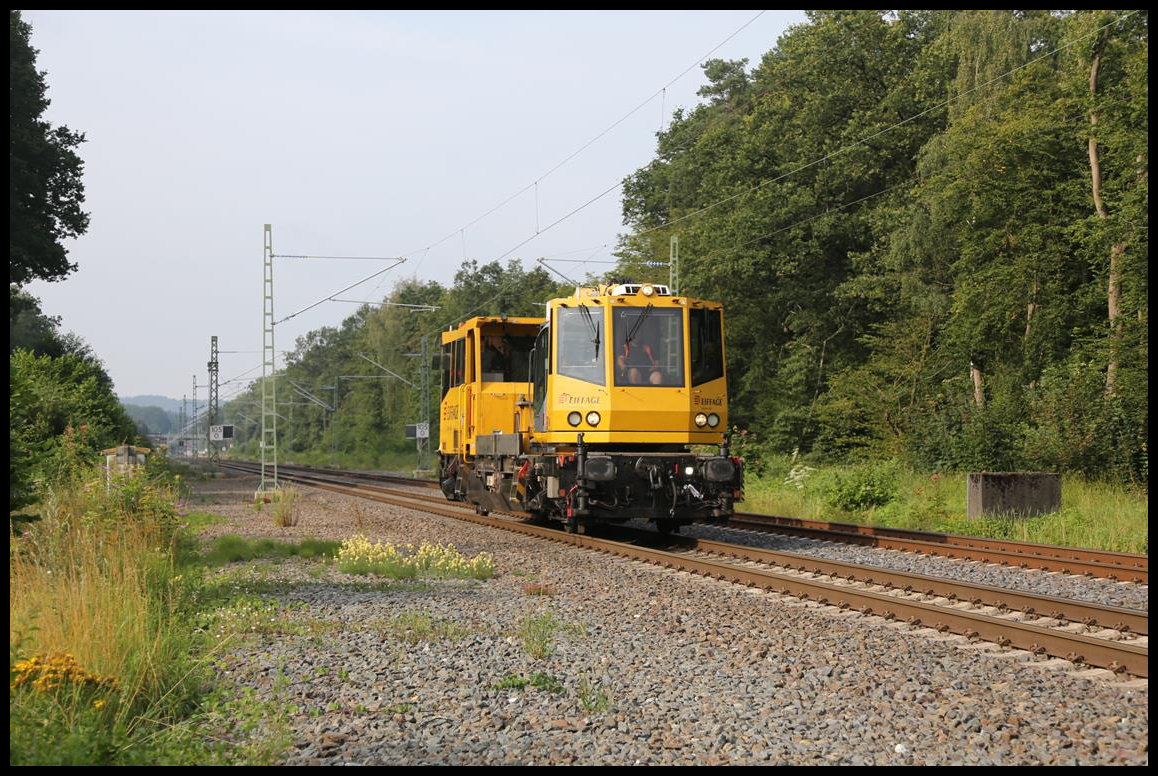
column 1068, row 560
column 1119, row 566
column 1104, row 636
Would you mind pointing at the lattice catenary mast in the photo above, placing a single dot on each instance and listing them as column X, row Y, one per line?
column 268, row 355
column 212, row 448
column 193, row 420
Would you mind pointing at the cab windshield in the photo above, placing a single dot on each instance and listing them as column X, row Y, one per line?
column 580, row 344
column 649, row 346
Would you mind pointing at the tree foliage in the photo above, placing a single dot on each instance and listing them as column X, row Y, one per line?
column 150, row 419
column 60, row 409
column 61, row 405
column 44, row 172
column 896, row 210
column 896, row 205
column 29, row 328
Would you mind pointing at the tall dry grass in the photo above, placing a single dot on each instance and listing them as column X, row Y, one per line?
column 286, row 511
column 95, row 578
column 88, row 592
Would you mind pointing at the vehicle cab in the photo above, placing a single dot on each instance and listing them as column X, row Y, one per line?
column 630, row 364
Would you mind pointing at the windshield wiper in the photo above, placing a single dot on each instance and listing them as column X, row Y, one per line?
column 594, row 327
column 638, row 322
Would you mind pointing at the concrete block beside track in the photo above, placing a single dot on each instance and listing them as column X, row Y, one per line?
column 1013, row 494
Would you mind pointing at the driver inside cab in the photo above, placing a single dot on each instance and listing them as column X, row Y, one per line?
column 637, row 363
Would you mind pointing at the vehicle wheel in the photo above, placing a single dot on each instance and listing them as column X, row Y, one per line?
column 479, row 509
column 570, row 525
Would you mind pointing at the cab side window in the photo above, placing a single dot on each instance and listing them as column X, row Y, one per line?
column 458, row 371
column 707, row 341
column 540, row 366
column 469, row 346
column 447, row 359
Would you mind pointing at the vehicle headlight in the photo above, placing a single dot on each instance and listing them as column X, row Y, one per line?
column 702, row 419
column 689, row 470
column 574, row 418
column 593, row 418
column 713, row 420
column 719, row 470
column 600, row 469
column 647, row 290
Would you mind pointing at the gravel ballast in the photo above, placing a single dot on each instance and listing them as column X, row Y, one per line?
column 646, row 665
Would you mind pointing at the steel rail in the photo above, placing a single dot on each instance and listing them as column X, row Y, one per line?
column 1115, row 617
column 999, row 556
column 1124, row 560
column 364, row 475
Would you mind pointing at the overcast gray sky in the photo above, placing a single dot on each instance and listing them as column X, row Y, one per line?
column 362, row 133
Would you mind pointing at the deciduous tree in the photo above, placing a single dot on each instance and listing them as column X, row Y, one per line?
column 46, row 191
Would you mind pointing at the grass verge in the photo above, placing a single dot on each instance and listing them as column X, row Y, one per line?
column 107, row 666
column 233, row 549
column 1093, row 514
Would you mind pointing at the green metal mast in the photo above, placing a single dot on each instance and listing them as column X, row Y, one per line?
column 193, row 438
column 213, row 449
column 268, row 366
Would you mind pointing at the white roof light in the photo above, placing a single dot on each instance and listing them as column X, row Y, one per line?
column 647, row 289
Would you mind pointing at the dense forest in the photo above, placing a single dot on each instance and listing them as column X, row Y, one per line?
column 929, row 229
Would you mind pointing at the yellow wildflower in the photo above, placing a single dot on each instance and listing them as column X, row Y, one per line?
column 45, row 673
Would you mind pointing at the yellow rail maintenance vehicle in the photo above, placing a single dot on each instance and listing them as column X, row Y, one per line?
column 589, row 415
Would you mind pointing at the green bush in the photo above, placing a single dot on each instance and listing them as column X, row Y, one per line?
column 538, row 631
column 285, row 506
column 863, row 487
column 542, row 681
column 743, row 443
column 1075, row 427
column 61, row 413
column 510, row 682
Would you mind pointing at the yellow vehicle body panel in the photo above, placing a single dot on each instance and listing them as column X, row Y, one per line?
column 638, row 413
column 475, row 403
column 472, row 406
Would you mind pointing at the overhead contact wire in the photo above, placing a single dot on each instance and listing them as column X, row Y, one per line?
column 534, row 184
